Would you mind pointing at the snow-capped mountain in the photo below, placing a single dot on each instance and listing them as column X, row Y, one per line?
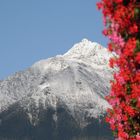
column 75, row 83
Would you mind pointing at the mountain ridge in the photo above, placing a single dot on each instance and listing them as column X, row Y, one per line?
column 73, row 84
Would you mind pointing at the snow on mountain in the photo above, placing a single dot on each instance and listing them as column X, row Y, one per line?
column 78, row 80
column 91, row 52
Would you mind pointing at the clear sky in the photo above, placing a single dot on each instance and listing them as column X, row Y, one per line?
column 31, row 30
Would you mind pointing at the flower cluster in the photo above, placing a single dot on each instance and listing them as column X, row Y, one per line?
column 122, row 26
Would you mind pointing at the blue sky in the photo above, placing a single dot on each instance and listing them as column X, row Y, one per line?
column 31, row 30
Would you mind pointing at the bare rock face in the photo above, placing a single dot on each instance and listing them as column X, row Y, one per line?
column 60, row 98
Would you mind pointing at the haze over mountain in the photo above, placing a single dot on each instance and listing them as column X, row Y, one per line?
column 60, row 98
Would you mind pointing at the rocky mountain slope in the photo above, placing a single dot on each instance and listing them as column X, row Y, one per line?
column 58, row 98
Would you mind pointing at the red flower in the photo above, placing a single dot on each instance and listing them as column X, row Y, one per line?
column 99, row 5
column 112, row 62
column 130, row 110
column 133, row 29
column 120, row 19
column 138, row 58
column 138, row 137
column 123, row 135
column 119, row 1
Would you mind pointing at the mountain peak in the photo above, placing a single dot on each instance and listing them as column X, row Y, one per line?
column 83, row 48
column 85, row 51
column 85, row 40
column 89, row 51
